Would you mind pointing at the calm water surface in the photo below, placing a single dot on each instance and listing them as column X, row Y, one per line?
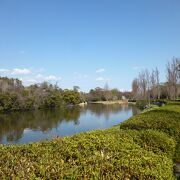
column 25, row 127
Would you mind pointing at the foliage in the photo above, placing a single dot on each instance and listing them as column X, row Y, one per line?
column 98, row 155
column 165, row 119
column 141, row 104
column 105, row 94
column 142, row 148
column 14, row 96
column 71, row 97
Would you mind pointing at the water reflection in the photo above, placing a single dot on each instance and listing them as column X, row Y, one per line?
column 23, row 127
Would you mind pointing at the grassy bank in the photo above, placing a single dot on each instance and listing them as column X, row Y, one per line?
column 144, row 147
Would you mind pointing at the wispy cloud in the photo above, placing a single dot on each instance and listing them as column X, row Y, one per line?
column 21, row 71
column 29, row 80
column 102, row 79
column 4, row 71
column 29, row 76
column 15, row 71
column 41, row 77
column 138, row 67
column 101, row 70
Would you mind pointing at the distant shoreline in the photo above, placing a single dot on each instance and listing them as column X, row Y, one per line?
column 110, row 102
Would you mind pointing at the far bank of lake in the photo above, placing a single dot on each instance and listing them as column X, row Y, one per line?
column 124, row 102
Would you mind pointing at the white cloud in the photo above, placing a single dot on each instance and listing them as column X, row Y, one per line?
column 52, row 78
column 41, row 78
column 28, row 81
column 101, row 70
column 4, row 71
column 20, row 71
column 15, row 71
column 100, row 79
column 28, row 76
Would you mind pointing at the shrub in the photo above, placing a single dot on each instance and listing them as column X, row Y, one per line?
column 101, row 154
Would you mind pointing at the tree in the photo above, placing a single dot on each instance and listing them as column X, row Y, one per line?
column 157, row 83
column 135, row 88
column 71, row 97
column 76, row 88
column 107, row 92
column 172, row 78
column 155, row 86
column 116, row 94
column 148, row 83
column 143, row 84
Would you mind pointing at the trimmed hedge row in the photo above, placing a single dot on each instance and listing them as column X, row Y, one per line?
column 165, row 120
column 143, row 147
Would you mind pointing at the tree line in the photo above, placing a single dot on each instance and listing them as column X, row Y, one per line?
column 14, row 96
column 147, row 85
column 105, row 94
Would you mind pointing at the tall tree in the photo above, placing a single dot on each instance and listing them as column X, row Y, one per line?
column 157, row 83
column 172, row 78
column 135, row 88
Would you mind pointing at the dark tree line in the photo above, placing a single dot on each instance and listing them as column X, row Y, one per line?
column 14, row 96
column 147, row 85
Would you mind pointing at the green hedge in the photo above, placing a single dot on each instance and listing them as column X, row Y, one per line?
column 144, row 147
column 164, row 120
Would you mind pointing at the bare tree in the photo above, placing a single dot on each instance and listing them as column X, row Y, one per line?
column 148, row 84
column 153, row 85
column 143, row 84
column 135, row 88
column 172, row 78
column 107, row 92
column 157, row 83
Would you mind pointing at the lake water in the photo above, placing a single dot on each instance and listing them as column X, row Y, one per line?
column 25, row 127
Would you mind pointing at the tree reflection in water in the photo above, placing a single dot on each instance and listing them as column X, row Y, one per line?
column 13, row 125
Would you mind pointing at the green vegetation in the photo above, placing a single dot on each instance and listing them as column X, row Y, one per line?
column 105, row 94
column 71, row 97
column 14, row 96
column 144, row 147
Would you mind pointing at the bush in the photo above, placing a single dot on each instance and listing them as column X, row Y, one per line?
column 156, row 141
column 101, row 154
column 141, row 104
column 165, row 120
column 71, row 97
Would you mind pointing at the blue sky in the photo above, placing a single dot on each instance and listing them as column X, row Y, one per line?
column 87, row 42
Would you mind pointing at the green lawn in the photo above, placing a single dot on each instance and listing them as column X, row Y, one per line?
column 144, row 147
